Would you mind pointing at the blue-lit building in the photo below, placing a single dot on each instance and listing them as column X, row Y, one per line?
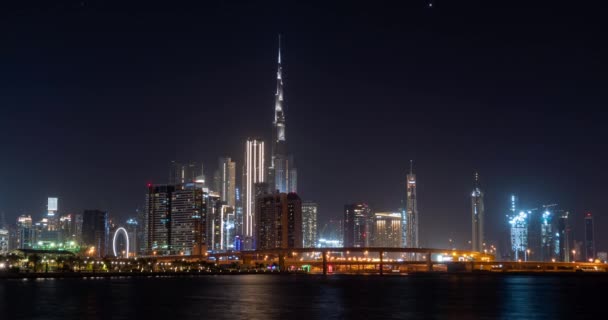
column 519, row 231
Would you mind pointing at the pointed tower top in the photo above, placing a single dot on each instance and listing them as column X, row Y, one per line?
column 279, row 48
column 411, row 166
column 476, row 178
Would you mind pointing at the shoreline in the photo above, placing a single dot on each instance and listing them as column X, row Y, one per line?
column 87, row 275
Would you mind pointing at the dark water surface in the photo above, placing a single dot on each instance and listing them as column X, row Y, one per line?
column 306, row 297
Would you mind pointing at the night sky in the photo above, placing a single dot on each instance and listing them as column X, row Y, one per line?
column 97, row 97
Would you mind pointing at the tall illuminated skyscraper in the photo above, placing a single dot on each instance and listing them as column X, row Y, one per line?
column 589, row 237
column 358, row 225
column 477, row 217
column 253, row 172
column 309, row 223
column 282, row 174
column 279, row 221
column 411, row 210
column 519, row 230
column 225, row 181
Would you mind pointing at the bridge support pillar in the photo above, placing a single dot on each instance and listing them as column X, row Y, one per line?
column 324, row 263
column 429, row 262
column 381, row 262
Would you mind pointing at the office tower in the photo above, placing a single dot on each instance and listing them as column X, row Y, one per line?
column 549, row 235
column 225, row 181
column 477, row 217
column 4, row 241
column 358, row 220
column 228, row 231
column 282, row 173
column 563, row 236
column 186, row 173
column 253, row 172
column 387, row 230
column 187, row 220
column 95, row 232
column 238, row 213
column 279, row 221
column 213, row 205
column 133, row 232
column 519, row 231
column 589, row 238
column 309, row 224
column 157, row 219
column 25, row 233
column 411, row 210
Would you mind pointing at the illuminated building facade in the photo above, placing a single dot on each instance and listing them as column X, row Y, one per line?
column 4, row 241
column 253, row 172
column 519, row 231
column 589, row 237
column 278, row 221
column 282, row 173
column 477, row 217
column 187, row 220
column 387, row 230
column 157, row 219
column 411, row 209
column 225, row 181
column 133, row 231
column 358, row 220
column 309, row 224
column 95, row 232
column 563, row 232
column 25, row 233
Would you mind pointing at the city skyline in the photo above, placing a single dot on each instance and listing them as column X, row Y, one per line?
column 513, row 165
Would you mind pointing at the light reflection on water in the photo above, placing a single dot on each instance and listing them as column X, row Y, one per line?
column 298, row 297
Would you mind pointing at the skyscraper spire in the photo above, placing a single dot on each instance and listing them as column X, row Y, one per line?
column 411, row 166
column 279, row 115
column 281, row 170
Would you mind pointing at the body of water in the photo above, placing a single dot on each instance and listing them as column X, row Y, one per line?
column 306, row 297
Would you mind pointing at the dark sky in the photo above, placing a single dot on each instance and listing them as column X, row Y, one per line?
column 98, row 96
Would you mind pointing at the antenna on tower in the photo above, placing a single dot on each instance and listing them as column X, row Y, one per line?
column 411, row 166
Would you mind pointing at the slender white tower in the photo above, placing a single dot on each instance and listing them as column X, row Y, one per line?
column 477, row 217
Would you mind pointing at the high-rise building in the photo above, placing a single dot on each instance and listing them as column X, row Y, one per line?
column 279, row 221
column 157, row 219
column 225, row 181
column 411, row 208
column 175, row 219
column 133, row 231
column 180, row 173
column 589, row 237
column 282, row 173
column 387, row 230
column 477, row 217
column 187, row 220
column 519, row 231
column 4, row 241
column 563, row 236
column 95, row 232
column 253, row 173
column 25, row 232
column 309, row 224
column 358, row 220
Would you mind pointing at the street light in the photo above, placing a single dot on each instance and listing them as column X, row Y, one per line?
column 527, row 254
